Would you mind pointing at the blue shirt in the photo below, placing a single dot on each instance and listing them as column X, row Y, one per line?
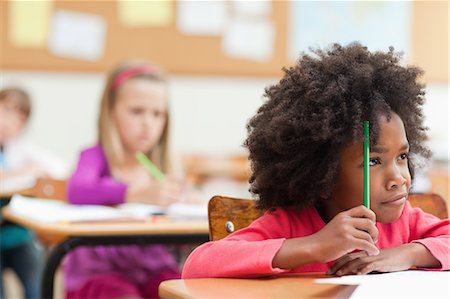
column 11, row 235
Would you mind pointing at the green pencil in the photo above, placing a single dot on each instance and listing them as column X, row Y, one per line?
column 151, row 168
column 366, row 165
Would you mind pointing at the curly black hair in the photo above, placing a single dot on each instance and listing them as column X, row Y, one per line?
column 317, row 108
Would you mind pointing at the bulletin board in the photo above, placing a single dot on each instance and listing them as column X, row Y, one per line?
column 179, row 53
column 165, row 46
column 430, row 39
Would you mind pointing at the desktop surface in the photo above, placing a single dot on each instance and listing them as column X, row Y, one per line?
column 288, row 286
column 420, row 284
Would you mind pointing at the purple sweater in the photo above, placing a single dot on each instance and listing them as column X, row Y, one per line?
column 92, row 183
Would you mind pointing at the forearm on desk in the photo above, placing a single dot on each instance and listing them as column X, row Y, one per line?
column 103, row 191
column 420, row 256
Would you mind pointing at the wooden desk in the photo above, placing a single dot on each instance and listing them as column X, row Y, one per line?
column 291, row 286
column 68, row 236
column 8, row 195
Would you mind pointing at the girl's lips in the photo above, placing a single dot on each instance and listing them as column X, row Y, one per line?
column 396, row 200
column 144, row 137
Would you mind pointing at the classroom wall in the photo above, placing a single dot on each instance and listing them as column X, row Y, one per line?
column 209, row 113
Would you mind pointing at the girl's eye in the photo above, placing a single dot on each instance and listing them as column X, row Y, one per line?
column 137, row 110
column 374, row 161
column 404, row 156
column 158, row 114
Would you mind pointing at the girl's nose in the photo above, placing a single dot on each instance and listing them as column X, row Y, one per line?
column 395, row 177
column 149, row 119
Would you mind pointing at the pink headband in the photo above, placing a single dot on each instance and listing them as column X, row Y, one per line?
column 129, row 73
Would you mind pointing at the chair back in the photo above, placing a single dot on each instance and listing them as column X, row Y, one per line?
column 50, row 188
column 431, row 203
column 227, row 214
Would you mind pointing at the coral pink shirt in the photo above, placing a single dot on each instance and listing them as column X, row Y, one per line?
column 249, row 252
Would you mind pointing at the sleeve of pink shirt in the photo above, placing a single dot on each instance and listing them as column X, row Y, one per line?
column 91, row 183
column 433, row 233
column 250, row 250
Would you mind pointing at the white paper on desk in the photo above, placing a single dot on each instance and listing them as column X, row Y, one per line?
column 141, row 210
column 176, row 211
column 249, row 39
column 405, row 284
column 51, row 211
column 187, row 211
column 201, row 17
column 77, row 35
column 19, row 183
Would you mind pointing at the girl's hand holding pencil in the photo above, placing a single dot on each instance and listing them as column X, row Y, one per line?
column 163, row 193
column 348, row 231
column 163, row 190
column 150, row 167
column 351, row 230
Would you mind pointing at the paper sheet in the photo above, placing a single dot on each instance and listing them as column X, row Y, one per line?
column 52, row 211
column 376, row 24
column 28, row 23
column 144, row 13
column 187, row 211
column 201, row 17
column 77, row 35
column 405, row 284
column 141, row 210
column 249, row 39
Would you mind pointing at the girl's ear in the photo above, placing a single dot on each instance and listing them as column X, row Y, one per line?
column 324, row 196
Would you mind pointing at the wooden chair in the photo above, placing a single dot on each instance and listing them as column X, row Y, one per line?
column 430, row 202
column 227, row 214
column 50, row 188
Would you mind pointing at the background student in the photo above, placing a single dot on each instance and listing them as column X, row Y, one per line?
column 134, row 118
column 19, row 249
column 306, row 148
column 21, row 158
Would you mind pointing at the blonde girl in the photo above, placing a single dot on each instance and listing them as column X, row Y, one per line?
column 134, row 118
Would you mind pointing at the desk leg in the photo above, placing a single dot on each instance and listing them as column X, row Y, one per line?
column 53, row 261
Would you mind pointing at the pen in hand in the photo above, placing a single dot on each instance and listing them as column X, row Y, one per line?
column 151, row 168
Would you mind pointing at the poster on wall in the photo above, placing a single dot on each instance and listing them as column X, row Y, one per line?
column 77, row 35
column 376, row 24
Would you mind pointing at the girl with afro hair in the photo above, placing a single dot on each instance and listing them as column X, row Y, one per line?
column 306, row 150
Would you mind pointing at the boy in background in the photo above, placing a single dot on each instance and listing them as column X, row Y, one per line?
column 18, row 159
